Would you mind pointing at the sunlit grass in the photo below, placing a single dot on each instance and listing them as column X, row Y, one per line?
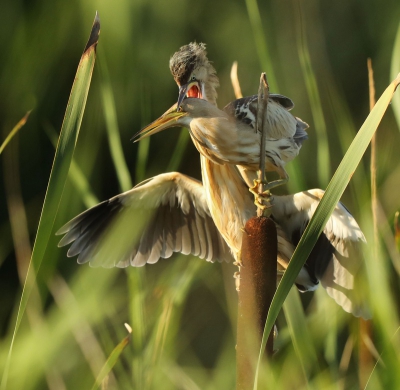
column 14, row 131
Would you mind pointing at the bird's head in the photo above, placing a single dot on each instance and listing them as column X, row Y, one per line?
column 193, row 73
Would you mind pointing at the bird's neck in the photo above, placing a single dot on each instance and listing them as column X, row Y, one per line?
column 228, row 199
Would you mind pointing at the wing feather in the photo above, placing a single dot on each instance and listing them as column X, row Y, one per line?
column 281, row 123
column 158, row 217
column 336, row 259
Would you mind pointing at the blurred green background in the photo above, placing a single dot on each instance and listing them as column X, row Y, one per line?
column 182, row 310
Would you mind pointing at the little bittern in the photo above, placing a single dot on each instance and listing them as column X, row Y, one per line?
column 174, row 213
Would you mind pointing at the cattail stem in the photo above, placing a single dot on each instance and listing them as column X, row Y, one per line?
column 257, row 288
column 257, row 282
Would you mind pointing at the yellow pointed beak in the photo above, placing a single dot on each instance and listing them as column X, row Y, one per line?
column 165, row 121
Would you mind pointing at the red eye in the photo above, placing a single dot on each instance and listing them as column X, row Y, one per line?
column 193, row 92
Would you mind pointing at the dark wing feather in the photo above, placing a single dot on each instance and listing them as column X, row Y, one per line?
column 336, row 259
column 251, row 101
column 162, row 215
column 245, row 110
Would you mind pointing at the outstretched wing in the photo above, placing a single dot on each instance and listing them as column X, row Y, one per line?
column 336, row 259
column 165, row 214
column 281, row 123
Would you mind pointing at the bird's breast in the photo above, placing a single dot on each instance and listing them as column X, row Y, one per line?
column 225, row 141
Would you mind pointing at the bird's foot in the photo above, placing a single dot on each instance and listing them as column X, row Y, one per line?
column 261, row 199
column 261, row 205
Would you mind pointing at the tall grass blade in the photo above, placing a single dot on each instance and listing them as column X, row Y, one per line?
column 62, row 160
column 261, row 44
column 332, row 195
column 112, row 359
column 179, row 150
column 137, row 314
column 394, row 70
column 114, row 140
column 380, row 360
column 323, row 165
column 144, row 144
column 302, row 341
column 14, row 131
column 76, row 175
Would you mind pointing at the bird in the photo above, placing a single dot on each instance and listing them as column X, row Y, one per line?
column 174, row 213
column 197, row 78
